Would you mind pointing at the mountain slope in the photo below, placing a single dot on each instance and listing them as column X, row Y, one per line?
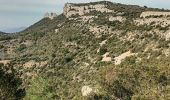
column 108, row 53
column 5, row 36
column 2, row 33
column 45, row 25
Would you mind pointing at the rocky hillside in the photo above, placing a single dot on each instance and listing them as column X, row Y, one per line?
column 93, row 51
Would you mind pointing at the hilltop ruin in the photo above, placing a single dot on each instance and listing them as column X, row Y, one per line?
column 50, row 15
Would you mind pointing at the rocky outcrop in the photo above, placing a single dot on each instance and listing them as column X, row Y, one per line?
column 50, row 15
column 106, row 58
column 73, row 9
column 117, row 18
column 163, row 22
column 154, row 13
column 86, row 90
column 5, row 62
column 168, row 36
column 33, row 63
column 119, row 59
column 154, row 18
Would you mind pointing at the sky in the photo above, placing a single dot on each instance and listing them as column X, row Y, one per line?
column 15, row 14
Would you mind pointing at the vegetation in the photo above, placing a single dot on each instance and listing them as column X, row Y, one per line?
column 54, row 65
column 5, row 36
column 131, row 81
column 10, row 84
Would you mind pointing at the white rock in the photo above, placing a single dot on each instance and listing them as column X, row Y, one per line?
column 56, row 30
column 168, row 36
column 118, row 18
column 154, row 13
column 71, row 9
column 98, row 50
column 5, row 62
column 103, row 43
column 119, row 59
column 86, row 90
column 106, row 58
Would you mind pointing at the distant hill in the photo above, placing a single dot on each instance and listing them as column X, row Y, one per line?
column 2, row 32
column 14, row 30
column 5, row 36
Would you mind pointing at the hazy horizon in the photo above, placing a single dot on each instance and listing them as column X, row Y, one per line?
column 22, row 13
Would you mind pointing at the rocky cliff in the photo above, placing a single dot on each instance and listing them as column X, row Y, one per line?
column 74, row 9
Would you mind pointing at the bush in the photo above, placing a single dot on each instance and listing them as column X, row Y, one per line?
column 1, row 46
column 22, row 47
column 10, row 85
column 2, row 38
column 103, row 50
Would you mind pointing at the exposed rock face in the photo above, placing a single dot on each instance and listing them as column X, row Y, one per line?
column 119, row 59
column 103, row 43
column 73, row 9
column 154, row 13
column 33, row 63
column 86, row 90
column 117, row 18
column 56, row 30
column 106, row 58
column 154, row 18
column 168, row 36
column 156, row 21
column 5, row 62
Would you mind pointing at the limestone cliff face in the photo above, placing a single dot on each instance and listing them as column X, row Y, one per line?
column 73, row 9
column 154, row 13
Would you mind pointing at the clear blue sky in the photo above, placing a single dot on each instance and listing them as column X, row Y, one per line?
column 22, row 13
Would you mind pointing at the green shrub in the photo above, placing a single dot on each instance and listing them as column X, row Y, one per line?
column 40, row 89
column 10, row 84
column 22, row 47
column 102, row 50
column 1, row 46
